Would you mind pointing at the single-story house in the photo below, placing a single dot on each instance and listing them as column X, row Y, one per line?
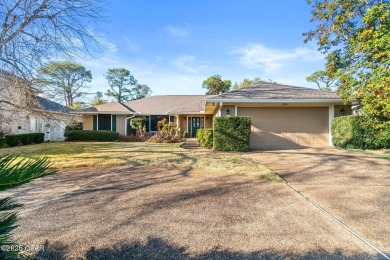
column 23, row 111
column 282, row 116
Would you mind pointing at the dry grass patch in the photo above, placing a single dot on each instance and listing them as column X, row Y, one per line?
column 94, row 154
column 378, row 153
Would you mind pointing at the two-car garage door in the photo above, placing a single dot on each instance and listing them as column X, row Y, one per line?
column 288, row 127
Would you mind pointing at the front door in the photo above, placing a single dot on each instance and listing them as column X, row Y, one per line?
column 195, row 125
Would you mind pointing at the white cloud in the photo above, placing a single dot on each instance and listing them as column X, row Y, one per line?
column 189, row 64
column 178, row 31
column 260, row 56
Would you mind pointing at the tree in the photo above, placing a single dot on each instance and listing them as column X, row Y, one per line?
column 355, row 35
column 36, row 32
column 321, row 77
column 249, row 82
column 141, row 91
column 98, row 101
column 64, row 80
column 215, row 85
column 78, row 105
column 121, row 84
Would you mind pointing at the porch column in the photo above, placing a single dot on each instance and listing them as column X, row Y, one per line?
column 178, row 121
column 219, row 114
column 331, row 116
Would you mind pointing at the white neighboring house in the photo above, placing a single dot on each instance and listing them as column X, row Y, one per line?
column 49, row 118
column 22, row 111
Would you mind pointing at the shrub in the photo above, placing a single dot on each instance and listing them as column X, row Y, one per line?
column 2, row 142
column 360, row 132
column 136, row 122
column 130, row 138
column 186, row 134
column 92, row 135
column 167, row 133
column 38, row 137
column 205, row 137
column 74, row 126
column 342, row 130
column 13, row 139
column 199, row 134
column 27, row 139
column 231, row 133
column 383, row 135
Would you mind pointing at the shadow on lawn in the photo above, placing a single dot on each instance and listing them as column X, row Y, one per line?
column 157, row 248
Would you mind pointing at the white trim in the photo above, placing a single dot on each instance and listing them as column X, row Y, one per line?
column 111, row 122
column 150, row 124
column 130, row 117
column 235, row 110
column 106, row 113
column 189, row 113
column 97, row 122
column 238, row 100
column 219, row 114
column 331, row 116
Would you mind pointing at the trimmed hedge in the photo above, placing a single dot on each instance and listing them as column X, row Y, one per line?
column 232, row 133
column 92, row 135
column 38, row 138
column 205, row 137
column 2, row 142
column 24, row 139
column 13, row 139
column 360, row 132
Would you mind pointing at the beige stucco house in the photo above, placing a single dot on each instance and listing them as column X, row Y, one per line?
column 282, row 116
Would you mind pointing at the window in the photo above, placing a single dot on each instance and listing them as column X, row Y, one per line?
column 202, row 122
column 172, row 119
column 154, row 120
column 104, row 122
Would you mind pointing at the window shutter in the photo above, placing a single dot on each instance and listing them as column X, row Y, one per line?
column 113, row 123
column 94, row 122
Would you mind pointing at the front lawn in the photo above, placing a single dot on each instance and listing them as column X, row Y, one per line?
column 378, row 153
column 94, row 154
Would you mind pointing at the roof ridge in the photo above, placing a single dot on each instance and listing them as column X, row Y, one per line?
column 127, row 107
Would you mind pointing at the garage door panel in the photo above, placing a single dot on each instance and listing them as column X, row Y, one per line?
column 287, row 127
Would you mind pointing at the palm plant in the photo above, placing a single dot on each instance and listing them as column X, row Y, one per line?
column 15, row 171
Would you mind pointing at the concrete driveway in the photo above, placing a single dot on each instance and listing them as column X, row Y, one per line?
column 149, row 213
column 352, row 187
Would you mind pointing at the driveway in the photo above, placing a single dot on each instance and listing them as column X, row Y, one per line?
column 354, row 188
column 152, row 213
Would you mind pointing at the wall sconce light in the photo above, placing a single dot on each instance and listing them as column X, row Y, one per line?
column 342, row 111
column 228, row 111
column 207, row 118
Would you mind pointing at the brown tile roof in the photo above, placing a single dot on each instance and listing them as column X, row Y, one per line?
column 161, row 105
column 274, row 91
column 108, row 108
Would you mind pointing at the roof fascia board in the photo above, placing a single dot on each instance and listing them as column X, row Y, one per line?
column 317, row 100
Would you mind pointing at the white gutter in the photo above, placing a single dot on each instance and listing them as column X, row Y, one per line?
column 238, row 100
column 126, row 122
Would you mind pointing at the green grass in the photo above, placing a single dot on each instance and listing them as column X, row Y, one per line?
column 95, row 154
column 377, row 153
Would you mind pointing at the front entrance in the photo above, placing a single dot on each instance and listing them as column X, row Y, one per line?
column 195, row 123
column 195, row 126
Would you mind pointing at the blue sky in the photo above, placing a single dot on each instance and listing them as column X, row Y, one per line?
column 172, row 46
